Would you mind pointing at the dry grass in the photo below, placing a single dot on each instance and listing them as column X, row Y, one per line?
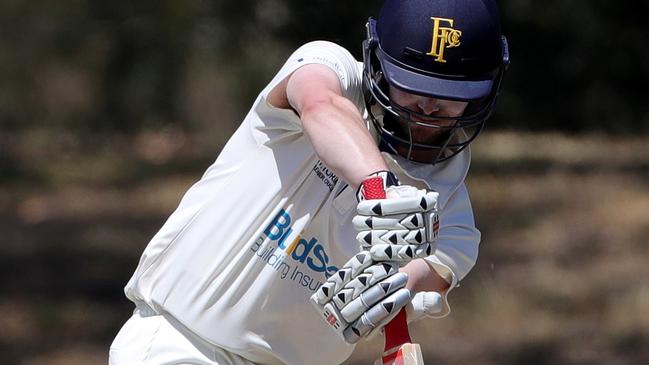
column 561, row 279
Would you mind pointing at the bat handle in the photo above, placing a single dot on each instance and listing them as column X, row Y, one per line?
column 396, row 332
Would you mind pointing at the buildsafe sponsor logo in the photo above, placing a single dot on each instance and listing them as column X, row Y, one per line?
column 294, row 257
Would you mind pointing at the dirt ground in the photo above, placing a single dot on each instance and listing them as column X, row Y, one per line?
column 561, row 278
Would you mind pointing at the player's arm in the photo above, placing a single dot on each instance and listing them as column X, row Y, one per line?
column 341, row 140
column 332, row 122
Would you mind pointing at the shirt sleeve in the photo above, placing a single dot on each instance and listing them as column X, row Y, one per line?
column 458, row 242
column 325, row 53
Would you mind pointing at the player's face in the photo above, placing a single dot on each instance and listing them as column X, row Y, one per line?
column 429, row 107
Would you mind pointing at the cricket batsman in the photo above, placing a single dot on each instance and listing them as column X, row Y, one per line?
column 281, row 253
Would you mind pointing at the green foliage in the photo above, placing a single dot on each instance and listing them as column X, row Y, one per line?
column 123, row 66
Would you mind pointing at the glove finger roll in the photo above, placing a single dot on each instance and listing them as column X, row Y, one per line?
column 379, row 315
column 355, row 266
column 358, row 263
column 413, row 204
column 395, row 237
column 369, row 277
column 373, row 295
column 397, row 221
column 400, row 253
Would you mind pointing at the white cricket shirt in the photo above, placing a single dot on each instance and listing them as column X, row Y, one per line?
column 267, row 223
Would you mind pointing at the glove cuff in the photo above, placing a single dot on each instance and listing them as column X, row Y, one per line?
column 374, row 185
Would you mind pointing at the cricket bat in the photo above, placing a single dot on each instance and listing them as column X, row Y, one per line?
column 399, row 349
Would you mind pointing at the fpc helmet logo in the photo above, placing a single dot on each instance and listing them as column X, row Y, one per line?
column 308, row 252
column 443, row 37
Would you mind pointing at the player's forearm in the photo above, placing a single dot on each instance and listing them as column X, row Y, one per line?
column 422, row 277
column 341, row 139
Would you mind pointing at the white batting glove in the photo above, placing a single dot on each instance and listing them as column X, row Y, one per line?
column 362, row 296
column 424, row 304
column 395, row 222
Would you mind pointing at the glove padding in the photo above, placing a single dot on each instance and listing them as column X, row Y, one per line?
column 361, row 296
column 402, row 227
column 425, row 304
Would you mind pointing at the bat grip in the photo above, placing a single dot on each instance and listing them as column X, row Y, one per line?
column 396, row 332
column 372, row 188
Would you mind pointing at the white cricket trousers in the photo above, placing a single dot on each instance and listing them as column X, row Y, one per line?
column 153, row 339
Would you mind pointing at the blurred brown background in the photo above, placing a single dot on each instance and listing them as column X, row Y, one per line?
column 109, row 111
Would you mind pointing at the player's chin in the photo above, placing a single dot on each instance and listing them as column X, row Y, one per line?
column 426, row 131
column 427, row 135
column 418, row 133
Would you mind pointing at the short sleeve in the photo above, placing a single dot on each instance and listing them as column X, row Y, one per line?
column 331, row 55
column 269, row 124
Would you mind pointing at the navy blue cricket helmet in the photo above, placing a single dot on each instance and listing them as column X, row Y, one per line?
column 442, row 49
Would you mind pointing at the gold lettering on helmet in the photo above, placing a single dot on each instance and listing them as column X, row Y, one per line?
column 443, row 38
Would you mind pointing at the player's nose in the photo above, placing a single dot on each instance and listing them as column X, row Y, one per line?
column 428, row 105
